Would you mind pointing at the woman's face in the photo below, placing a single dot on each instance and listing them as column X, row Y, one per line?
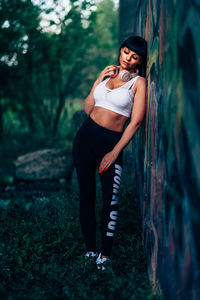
column 129, row 59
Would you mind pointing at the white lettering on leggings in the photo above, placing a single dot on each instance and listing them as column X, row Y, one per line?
column 115, row 191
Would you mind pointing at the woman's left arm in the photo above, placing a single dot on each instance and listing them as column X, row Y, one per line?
column 137, row 115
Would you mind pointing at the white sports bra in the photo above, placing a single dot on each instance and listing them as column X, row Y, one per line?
column 119, row 100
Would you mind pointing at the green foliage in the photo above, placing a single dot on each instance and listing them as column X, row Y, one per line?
column 18, row 140
column 42, row 246
column 104, row 50
column 40, row 70
column 17, row 19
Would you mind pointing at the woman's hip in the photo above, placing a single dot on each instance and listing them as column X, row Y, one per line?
column 91, row 132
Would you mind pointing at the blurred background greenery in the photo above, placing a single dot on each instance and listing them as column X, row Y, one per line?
column 51, row 53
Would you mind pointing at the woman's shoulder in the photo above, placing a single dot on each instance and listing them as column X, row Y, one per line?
column 141, row 79
column 140, row 83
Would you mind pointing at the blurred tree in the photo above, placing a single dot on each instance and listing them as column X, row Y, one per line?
column 106, row 31
column 19, row 21
column 103, row 51
column 76, row 37
column 40, row 69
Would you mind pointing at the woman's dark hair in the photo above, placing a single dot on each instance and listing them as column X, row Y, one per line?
column 138, row 45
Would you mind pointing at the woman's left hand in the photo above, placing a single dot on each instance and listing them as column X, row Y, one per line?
column 107, row 160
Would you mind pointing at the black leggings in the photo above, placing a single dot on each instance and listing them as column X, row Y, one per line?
column 91, row 143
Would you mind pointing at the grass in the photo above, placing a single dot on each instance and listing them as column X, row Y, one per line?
column 41, row 247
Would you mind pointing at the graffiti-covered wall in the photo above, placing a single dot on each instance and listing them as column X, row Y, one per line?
column 167, row 145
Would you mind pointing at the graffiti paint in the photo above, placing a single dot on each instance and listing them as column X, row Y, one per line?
column 166, row 147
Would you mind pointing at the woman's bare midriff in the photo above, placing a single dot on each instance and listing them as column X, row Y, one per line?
column 108, row 119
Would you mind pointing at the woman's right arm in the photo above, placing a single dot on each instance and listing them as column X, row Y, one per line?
column 89, row 101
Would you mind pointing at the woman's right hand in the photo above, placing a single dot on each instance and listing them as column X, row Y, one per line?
column 108, row 71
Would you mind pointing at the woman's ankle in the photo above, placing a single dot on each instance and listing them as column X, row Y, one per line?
column 102, row 256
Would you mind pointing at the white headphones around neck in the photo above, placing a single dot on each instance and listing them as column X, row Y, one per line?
column 125, row 75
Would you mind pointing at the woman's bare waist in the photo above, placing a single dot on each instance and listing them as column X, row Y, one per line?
column 108, row 118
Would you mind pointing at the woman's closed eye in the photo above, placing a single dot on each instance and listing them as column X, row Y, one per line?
column 126, row 52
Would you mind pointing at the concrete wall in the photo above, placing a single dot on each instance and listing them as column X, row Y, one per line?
column 167, row 145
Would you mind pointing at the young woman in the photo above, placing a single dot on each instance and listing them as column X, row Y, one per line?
column 100, row 141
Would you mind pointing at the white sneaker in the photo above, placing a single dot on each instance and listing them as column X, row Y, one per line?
column 91, row 254
column 103, row 263
column 89, row 259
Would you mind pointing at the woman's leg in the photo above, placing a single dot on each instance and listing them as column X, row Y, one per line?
column 85, row 165
column 110, row 180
